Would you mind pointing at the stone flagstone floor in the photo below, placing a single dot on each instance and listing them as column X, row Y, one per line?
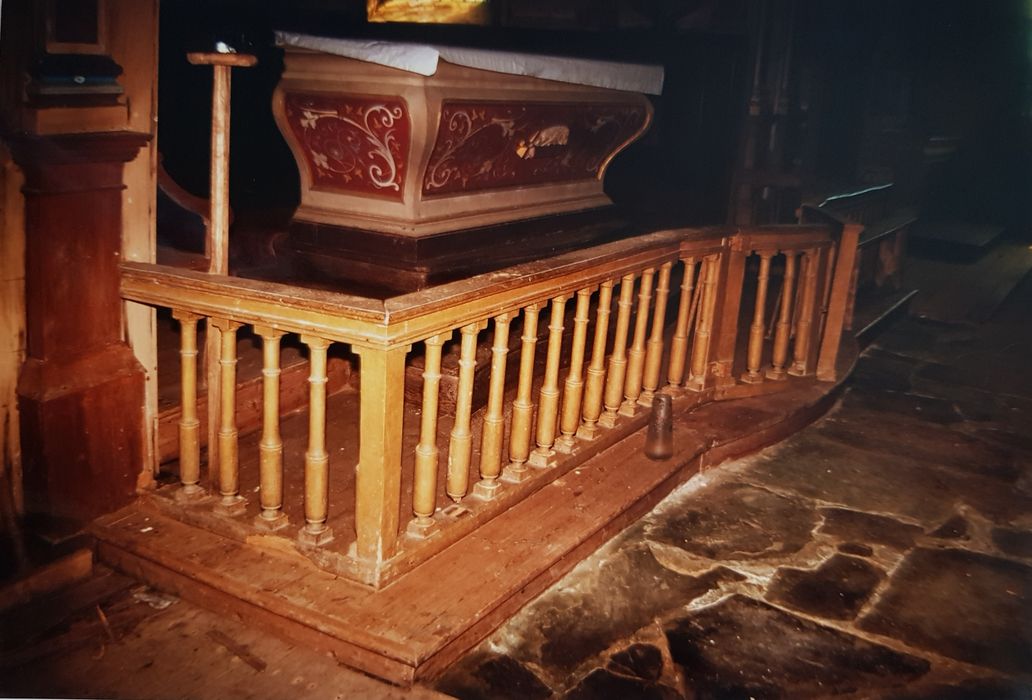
column 884, row 552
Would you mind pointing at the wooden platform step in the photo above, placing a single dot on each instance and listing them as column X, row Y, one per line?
column 426, row 619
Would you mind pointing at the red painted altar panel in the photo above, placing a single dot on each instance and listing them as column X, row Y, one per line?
column 487, row 145
column 351, row 143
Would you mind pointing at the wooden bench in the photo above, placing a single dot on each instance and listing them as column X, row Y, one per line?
column 877, row 289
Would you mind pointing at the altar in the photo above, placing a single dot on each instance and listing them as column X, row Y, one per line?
column 419, row 163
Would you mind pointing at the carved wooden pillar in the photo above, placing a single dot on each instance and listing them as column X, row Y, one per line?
column 81, row 390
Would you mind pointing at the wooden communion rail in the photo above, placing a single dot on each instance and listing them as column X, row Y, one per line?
column 659, row 313
column 597, row 394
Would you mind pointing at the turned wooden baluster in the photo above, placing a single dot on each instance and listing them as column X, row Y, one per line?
column 573, row 390
column 654, row 347
column 522, row 406
column 230, row 501
column 679, row 341
column 636, row 355
column 317, row 461
column 424, row 490
column 189, row 425
column 548, row 398
column 755, row 352
column 804, row 324
column 596, row 368
column 494, row 418
column 783, row 329
column 704, row 327
column 618, row 359
column 460, row 446
column 270, row 449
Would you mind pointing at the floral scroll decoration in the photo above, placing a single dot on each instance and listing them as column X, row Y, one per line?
column 351, row 143
column 489, row 145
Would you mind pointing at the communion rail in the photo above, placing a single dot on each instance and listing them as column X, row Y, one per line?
column 598, row 380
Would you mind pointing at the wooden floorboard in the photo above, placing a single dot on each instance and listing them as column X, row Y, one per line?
column 427, row 618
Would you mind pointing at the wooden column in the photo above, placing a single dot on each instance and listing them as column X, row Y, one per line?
column 754, row 359
column 597, row 369
column 80, row 380
column 424, row 490
column 494, row 417
column 461, row 444
column 378, row 477
column 679, row 341
column 189, row 425
column 654, row 346
column 230, row 502
column 573, row 390
column 523, row 406
column 270, row 449
column 783, row 329
column 636, row 355
column 548, row 399
column 315, row 531
column 618, row 359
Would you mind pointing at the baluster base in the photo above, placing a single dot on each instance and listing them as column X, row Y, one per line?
column 609, row 419
column 589, row 431
column 797, row 370
column 515, row 473
column 565, row 444
column 421, row 527
column 190, row 494
column 542, row 458
column 314, row 535
column 752, row 377
column 271, row 520
column 629, row 408
column 645, row 399
column 695, row 384
column 231, row 506
column 486, row 489
column 778, row 375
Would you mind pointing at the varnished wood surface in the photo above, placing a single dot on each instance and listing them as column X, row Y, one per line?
column 427, row 618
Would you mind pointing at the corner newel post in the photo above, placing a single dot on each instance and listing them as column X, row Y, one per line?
column 424, row 490
column 596, row 368
column 573, row 389
column 315, row 532
column 523, row 406
column 494, row 417
column 460, row 446
column 543, row 455
column 270, row 448
column 754, row 357
column 839, row 290
column 654, row 346
column 230, row 502
column 636, row 355
column 783, row 329
column 378, row 476
column 724, row 319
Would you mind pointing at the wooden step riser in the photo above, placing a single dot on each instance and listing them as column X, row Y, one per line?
column 430, row 617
